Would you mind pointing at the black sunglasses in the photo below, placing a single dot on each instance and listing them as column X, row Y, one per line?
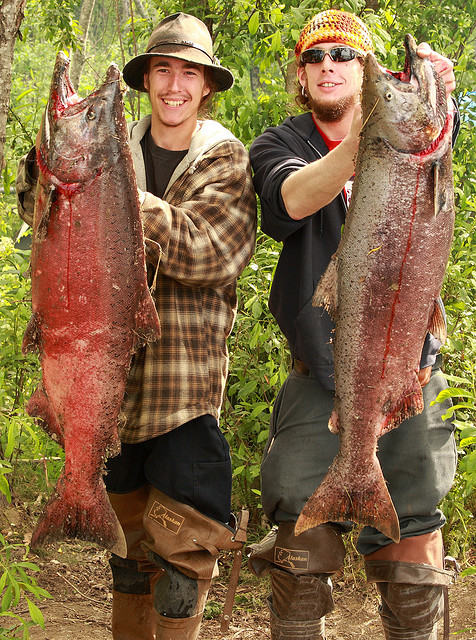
column 336, row 54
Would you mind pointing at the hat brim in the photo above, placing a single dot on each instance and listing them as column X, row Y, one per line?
column 133, row 72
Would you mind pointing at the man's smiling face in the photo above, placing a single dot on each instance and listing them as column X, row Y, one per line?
column 332, row 87
column 176, row 88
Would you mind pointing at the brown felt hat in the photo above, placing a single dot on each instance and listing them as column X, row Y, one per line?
column 179, row 36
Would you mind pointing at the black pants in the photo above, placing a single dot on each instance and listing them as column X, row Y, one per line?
column 191, row 464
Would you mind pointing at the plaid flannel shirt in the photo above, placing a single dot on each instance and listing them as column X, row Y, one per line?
column 203, row 235
column 199, row 238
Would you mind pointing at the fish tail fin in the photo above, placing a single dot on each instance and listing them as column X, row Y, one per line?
column 362, row 497
column 39, row 406
column 71, row 514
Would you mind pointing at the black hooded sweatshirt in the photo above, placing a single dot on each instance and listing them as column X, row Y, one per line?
column 308, row 245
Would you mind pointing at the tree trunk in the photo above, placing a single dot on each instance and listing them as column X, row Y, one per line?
column 79, row 56
column 141, row 10
column 11, row 15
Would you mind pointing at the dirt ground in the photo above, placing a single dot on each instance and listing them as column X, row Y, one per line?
column 78, row 578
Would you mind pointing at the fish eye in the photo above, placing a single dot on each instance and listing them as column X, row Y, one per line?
column 388, row 96
column 90, row 114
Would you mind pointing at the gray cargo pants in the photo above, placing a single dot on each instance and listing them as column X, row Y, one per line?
column 418, row 458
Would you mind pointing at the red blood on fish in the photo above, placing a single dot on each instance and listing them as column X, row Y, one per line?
column 90, row 301
column 383, row 284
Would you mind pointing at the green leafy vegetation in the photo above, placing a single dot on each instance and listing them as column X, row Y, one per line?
column 255, row 41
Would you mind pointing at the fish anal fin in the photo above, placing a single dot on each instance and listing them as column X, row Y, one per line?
column 437, row 326
column 360, row 496
column 408, row 405
column 39, row 406
column 326, row 294
column 31, row 339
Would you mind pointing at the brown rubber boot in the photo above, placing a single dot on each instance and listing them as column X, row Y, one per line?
column 300, row 569
column 132, row 616
column 132, row 602
column 178, row 628
column 410, row 611
column 298, row 605
column 185, row 544
column 412, row 582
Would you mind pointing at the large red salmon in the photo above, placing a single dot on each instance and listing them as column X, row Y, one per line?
column 90, row 301
column 383, row 285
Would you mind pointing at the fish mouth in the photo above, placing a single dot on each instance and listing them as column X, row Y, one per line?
column 420, row 74
column 72, row 148
column 63, row 95
column 413, row 100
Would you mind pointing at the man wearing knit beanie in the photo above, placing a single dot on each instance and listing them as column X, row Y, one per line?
column 303, row 172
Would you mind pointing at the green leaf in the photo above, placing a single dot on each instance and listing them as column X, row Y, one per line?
column 254, row 23
column 35, row 613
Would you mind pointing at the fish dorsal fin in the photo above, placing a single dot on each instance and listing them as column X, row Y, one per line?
column 437, row 325
column 408, row 405
column 326, row 294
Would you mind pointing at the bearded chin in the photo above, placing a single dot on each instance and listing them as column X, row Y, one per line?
column 327, row 112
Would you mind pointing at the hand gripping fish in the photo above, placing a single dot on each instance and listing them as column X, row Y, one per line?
column 383, row 285
column 90, row 301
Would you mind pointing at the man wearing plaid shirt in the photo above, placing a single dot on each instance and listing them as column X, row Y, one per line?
column 171, row 484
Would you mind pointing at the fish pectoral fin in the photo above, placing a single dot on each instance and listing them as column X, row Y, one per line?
column 326, row 294
column 437, row 326
column 333, row 423
column 42, row 227
column 408, row 405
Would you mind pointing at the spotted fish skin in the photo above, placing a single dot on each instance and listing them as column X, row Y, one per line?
column 91, row 307
column 383, row 284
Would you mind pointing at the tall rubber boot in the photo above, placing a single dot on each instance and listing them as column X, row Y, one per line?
column 300, row 569
column 132, row 604
column 132, row 601
column 410, row 611
column 411, row 580
column 186, row 544
column 298, row 606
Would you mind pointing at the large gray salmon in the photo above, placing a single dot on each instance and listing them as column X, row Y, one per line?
column 90, row 300
column 382, row 286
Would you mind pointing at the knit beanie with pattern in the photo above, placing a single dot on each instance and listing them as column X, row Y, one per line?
column 335, row 26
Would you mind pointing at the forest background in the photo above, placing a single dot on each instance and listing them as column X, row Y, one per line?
column 255, row 40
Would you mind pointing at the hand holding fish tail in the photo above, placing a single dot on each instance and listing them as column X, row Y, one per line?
column 444, row 66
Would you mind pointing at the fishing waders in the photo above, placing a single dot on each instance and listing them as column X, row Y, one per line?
column 413, row 584
column 132, row 601
column 300, row 570
column 184, row 544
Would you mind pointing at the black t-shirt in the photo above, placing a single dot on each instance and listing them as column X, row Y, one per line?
column 159, row 164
